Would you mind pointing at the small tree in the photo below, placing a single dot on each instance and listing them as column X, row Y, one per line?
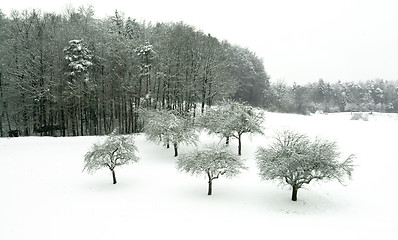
column 246, row 120
column 163, row 126
column 114, row 151
column 233, row 119
column 295, row 160
column 156, row 125
column 213, row 161
column 180, row 131
column 215, row 121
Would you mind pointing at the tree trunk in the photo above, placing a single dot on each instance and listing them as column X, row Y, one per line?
column 63, row 122
column 175, row 150
column 210, row 190
column 81, row 116
column 240, row 145
column 294, row 193
column 114, row 176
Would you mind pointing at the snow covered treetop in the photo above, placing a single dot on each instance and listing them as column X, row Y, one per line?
column 144, row 49
column 78, row 56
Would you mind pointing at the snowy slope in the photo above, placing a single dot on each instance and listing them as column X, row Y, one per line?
column 45, row 194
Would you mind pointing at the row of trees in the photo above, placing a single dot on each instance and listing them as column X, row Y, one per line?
column 169, row 127
column 73, row 74
column 227, row 119
column 293, row 159
column 373, row 95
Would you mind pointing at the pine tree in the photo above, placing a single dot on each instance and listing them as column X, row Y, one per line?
column 146, row 55
column 79, row 59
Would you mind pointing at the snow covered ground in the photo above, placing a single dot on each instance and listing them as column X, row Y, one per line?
column 45, row 194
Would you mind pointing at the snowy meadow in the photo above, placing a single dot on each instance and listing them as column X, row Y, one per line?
column 45, row 194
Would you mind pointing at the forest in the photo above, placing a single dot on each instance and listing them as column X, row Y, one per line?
column 72, row 74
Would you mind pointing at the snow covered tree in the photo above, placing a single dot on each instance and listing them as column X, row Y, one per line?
column 245, row 120
column 133, row 29
column 146, row 55
column 300, row 99
column 214, row 161
column 168, row 127
column 79, row 59
column 215, row 121
column 233, row 119
column 296, row 160
column 249, row 70
column 181, row 131
column 116, row 150
column 155, row 124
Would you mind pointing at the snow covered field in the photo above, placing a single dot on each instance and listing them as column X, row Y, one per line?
column 45, row 194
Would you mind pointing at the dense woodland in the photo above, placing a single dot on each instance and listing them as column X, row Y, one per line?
column 72, row 74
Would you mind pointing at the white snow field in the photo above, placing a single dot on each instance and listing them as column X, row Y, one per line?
column 45, row 194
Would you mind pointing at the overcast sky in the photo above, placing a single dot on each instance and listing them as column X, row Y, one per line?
column 299, row 40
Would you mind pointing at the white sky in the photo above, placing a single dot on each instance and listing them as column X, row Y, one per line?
column 299, row 40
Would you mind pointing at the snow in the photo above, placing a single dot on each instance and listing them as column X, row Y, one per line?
column 45, row 194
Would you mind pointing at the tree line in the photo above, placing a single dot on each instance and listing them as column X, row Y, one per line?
column 72, row 74
column 373, row 95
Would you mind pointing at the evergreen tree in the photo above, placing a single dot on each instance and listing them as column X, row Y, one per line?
column 78, row 58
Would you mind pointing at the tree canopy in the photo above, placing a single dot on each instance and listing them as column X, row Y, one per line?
column 232, row 119
column 295, row 160
column 116, row 150
column 213, row 161
column 168, row 127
